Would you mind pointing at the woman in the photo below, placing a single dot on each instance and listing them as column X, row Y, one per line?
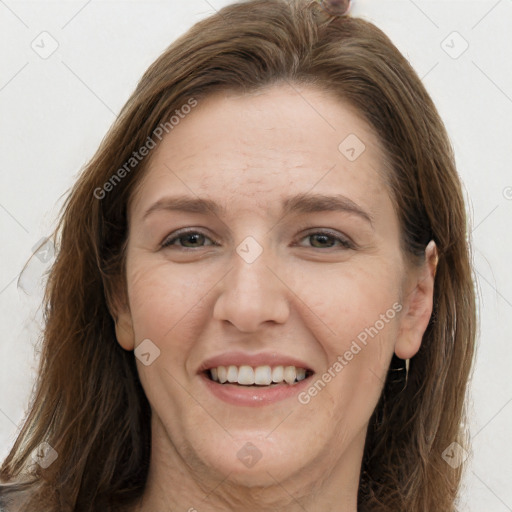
column 310, row 349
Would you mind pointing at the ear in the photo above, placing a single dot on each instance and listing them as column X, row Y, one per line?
column 418, row 305
column 124, row 328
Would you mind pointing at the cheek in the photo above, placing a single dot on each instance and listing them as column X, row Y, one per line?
column 358, row 312
column 349, row 299
column 167, row 308
column 162, row 297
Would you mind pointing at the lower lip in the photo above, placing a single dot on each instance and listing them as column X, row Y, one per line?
column 253, row 396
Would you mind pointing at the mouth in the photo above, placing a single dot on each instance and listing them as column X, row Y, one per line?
column 256, row 391
column 257, row 377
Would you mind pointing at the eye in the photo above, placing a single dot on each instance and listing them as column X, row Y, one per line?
column 196, row 239
column 323, row 237
column 193, row 237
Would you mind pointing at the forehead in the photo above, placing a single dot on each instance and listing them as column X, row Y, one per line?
column 253, row 149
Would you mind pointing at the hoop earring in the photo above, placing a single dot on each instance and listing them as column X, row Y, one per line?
column 407, row 361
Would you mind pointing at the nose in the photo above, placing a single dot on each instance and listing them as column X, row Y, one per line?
column 252, row 294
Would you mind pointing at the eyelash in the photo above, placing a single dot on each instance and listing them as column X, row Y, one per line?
column 344, row 242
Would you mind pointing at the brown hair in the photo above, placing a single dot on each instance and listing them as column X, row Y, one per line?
column 88, row 403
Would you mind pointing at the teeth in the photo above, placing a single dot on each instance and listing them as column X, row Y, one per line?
column 222, row 374
column 278, row 374
column 261, row 375
column 245, row 375
column 290, row 374
column 232, row 373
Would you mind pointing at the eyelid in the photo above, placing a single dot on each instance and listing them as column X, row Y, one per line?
column 344, row 240
column 172, row 237
column 311, row 228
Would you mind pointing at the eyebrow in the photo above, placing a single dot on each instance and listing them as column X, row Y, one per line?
column 300, row 203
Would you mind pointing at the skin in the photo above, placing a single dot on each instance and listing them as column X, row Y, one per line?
column 303, row 296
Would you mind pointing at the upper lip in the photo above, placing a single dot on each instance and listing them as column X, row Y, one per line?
column 254, row 360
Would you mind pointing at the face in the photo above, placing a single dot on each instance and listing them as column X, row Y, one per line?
column 298, row 265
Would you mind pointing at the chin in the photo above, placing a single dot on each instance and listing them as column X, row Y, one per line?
column 256, row 461
column 260, row 475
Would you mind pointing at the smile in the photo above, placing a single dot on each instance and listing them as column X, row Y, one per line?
column 257, row 376
column 255, row 395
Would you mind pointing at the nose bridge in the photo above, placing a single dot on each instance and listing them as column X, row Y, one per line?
column 251, row 262
column 251, row 293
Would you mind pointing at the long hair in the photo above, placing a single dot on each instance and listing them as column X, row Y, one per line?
column 88, row 404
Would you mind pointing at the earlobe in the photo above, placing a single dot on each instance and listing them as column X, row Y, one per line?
column 418, row 305
column 124, row 330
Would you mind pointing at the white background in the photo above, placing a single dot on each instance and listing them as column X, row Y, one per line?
column 55, row 111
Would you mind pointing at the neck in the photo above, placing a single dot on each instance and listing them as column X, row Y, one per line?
column 179, row 481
